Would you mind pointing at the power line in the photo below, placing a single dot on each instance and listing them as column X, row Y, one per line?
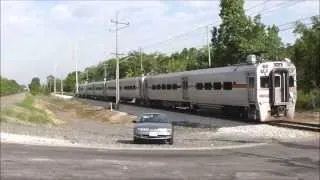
column 177, row 36
column 285, row 29
column 295, row 21
column 278, row 6
column 255, row 6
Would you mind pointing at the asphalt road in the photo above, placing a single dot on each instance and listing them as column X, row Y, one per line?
column 279, row 160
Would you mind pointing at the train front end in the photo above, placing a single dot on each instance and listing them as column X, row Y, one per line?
column 276, row 90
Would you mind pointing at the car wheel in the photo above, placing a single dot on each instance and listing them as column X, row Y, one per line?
column 171, row 140
column 135, row 140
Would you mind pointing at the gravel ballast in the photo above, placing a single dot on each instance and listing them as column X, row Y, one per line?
column 116, row 135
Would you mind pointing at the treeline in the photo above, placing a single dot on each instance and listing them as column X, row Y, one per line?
column 237, row 36
column 8, row 86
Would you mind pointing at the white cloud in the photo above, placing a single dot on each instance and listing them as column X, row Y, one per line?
column 61, row 12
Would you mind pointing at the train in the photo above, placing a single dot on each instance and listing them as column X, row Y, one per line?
column 257, row 90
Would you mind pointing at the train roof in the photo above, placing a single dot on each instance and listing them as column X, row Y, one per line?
column 217, row 70
column 233, row 68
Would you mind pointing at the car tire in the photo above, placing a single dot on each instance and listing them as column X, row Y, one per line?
column 171, row 140
column 136, row 140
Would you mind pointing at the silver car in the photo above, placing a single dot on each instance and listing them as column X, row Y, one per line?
column 153, row 126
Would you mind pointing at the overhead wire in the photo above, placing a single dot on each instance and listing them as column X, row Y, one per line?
column 295, row 21
column 263, row 12
column 292, row 27
column 277, row 7
column 255, row 6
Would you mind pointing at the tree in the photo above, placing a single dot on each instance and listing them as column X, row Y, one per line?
column 69, row 82
column 8, row 86
column 35, row 86
column 232, row 32
column 239, row 35
column 306, row 54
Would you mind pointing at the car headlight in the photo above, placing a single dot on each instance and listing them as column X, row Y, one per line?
column 143, row 129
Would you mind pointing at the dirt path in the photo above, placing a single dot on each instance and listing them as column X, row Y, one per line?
column 7, row 101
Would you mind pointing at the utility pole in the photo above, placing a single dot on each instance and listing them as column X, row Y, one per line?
column 87, row 75
column 208, row 44
column 125, row 24
column 61, row 86
column 54, row 81
column 75, row 58
column 105, row 72
column 141, row 66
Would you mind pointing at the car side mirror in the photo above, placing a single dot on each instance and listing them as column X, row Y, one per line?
column 134, row 121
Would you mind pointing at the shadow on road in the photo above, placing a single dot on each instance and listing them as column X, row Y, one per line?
column 126, row 141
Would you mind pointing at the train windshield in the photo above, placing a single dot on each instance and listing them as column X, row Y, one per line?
column 264, row 81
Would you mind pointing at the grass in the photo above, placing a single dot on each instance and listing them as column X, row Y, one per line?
column 308, row 101
column 82, row 110
column 27, row 102
column 25, row 112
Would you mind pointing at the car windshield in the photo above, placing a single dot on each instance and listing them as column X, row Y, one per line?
column 155, row 118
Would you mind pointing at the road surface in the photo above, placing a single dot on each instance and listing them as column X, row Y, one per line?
column 279, row 160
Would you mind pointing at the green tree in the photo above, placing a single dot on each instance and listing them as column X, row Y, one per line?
column 8, row 86
column 35, row 86
column 69, row 82
column 232, row 31
column 306, row 55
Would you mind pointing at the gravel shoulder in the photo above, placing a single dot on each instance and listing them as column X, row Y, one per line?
column 97, row 126
column 8, row 101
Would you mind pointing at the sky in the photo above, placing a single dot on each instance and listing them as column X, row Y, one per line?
column 39, row 37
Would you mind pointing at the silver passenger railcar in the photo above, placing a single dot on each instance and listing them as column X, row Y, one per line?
column 257, row 90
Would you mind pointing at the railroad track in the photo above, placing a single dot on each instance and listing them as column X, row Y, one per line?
column 296, row 125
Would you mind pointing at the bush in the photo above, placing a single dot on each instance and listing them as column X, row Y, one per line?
column 308, row 101
column 8, row 86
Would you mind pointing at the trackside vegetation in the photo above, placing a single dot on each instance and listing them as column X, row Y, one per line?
column 8, row 86
column 26, row 112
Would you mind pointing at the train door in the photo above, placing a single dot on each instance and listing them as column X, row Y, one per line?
column 104, row 91
column 280, row 87
column 185, row 91
column 251, row 88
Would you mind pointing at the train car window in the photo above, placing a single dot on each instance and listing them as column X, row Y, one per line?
column 163, row 86
column 175, row 86
column 264, row 82
column 291, row 81
column 134, row 87
column 227, row 85
column 158, row 86
column 199, row 86
column 217, row 85
column 208, row 86
column 153, row 87
column 169, row 86
column 277, row 81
